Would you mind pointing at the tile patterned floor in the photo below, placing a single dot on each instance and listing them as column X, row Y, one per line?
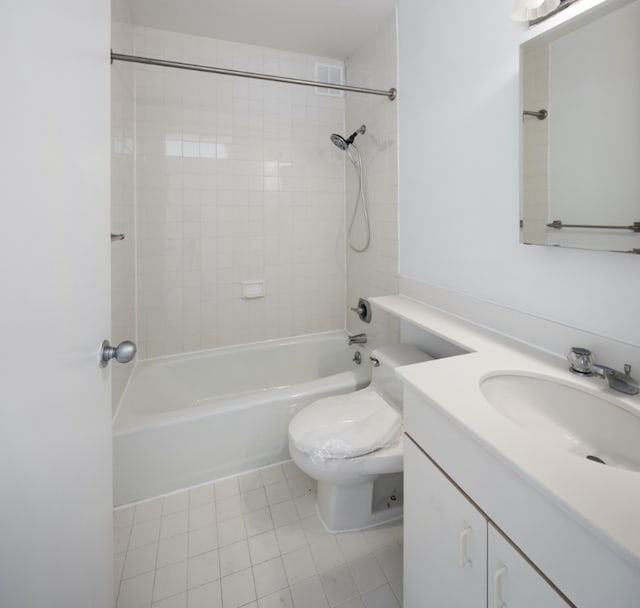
column 252, row 541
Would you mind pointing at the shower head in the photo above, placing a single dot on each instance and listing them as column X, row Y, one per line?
column 339, row 141
column 343, row 143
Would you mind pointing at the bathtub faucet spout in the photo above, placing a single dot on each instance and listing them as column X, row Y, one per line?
column 358, row 339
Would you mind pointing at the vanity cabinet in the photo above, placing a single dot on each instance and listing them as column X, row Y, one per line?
column 513, row 582
column 454, row 556
column 445, row 544
column 583, row 567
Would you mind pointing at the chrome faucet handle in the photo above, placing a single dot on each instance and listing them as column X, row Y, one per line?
column 363, row 310
column 631, row 385
column 603, row 371
column 583, row 363
column 618, row 381
column 581, row 360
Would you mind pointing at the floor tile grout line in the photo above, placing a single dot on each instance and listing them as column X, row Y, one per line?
column 310, row 535
column 201, row 485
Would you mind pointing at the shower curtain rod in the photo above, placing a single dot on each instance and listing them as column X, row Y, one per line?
column 391, row 93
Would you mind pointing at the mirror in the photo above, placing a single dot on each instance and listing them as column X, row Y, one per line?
column 580, row 137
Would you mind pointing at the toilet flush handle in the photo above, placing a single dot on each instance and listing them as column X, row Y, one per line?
column 375, row 362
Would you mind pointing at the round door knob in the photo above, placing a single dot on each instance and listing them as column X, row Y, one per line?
column 123, row 353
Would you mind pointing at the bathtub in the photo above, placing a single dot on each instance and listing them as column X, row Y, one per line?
column 189, row 419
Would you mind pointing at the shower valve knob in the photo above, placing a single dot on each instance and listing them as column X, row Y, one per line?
column 123, row 353
column 363, row 310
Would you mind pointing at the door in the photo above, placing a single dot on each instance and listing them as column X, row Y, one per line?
column 513, row 581
column 55, row 413
column 445, row 548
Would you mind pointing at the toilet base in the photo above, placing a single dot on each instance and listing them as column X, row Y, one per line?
column 376, row 500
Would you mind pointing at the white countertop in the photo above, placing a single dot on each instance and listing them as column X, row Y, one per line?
column 604, row 499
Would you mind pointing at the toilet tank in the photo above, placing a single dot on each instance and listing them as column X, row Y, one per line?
column 384, row 380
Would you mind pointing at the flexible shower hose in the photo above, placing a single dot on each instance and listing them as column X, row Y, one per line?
column 361, row 201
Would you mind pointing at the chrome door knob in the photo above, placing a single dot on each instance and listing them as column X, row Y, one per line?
column 123, row 353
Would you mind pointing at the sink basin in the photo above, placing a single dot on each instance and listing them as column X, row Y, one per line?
column 567, row 417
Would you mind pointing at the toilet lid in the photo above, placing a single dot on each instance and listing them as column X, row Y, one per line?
column 345, row 426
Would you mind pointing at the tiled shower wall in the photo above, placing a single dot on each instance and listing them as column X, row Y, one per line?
column 236, row 181
column 374, row 272
column 123, row 278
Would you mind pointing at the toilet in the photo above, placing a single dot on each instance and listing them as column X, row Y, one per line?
column 352, row 445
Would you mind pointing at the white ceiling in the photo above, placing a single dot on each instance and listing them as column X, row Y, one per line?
column 329, row 28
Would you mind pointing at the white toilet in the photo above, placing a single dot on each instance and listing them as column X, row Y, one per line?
column 352, row 445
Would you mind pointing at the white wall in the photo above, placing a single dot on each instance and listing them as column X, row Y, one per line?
column 459, row 189
column 236, row 181
column 123, row 262
column 375, row 271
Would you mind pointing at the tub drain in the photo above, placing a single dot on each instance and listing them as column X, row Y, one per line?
column 595, row 459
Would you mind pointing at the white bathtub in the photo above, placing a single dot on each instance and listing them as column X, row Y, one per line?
column 194, row 418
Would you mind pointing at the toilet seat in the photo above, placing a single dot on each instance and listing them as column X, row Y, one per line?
column 345, row 426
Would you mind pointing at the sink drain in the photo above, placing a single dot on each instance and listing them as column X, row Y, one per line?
column 595, row 459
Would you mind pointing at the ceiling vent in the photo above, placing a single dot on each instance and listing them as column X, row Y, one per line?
column 331, row 74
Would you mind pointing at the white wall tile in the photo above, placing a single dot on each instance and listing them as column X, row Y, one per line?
column 376, row 270
column 123, row 313
column 209, row 149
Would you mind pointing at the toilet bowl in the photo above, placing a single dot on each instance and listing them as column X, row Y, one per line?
column 352, row 445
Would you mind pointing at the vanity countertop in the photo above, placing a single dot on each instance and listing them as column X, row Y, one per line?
column 605, row 500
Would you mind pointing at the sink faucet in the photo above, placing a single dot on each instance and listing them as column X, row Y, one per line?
column 618, row 381
column 358, row 339
column 582, row 362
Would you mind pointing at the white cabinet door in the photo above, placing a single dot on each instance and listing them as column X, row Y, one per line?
column 445, row 542
column 513, row 582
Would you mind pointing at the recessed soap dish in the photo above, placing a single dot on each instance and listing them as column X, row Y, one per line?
column 253, row 289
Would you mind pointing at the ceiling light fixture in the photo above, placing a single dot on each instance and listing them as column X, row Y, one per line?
column 530, row 10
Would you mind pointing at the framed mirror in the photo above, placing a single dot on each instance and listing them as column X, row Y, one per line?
column 580, row 136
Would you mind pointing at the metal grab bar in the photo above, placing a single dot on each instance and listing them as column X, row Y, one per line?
column 390, row 93
column 117, row 237
column 558, row 225
column 540, row 114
